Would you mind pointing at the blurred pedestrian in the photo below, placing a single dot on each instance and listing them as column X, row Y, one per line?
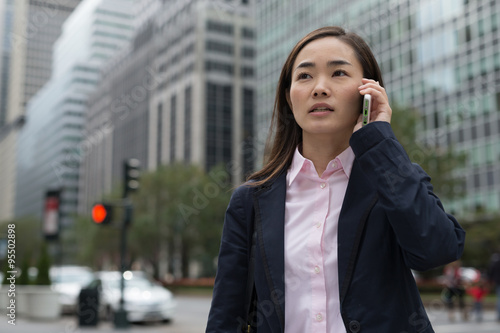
column 494, row 278
column 478, row 290
column 454, row 290
column 323, row 238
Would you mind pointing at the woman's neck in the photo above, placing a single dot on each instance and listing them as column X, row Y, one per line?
column 322, row 150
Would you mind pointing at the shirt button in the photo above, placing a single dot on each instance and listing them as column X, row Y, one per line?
column 334, row 165
column 323, row 185
column 316, row 269
column 318, row 224
column 319, row 317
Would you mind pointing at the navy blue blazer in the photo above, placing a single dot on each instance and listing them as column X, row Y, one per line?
column 401, row 225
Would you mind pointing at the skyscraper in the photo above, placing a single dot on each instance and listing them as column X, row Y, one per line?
column 50, row 145
column 183, row 92
column 441, row 57
column 6, row 19
column 202, row 110
column 30, row 30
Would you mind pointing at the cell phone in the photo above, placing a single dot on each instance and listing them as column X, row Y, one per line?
column 367, row 105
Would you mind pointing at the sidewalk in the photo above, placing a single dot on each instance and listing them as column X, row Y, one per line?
column 441, row 324
column 70, row 325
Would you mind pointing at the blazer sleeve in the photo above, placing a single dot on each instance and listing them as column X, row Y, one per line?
column 427, row 235
column 227, row 312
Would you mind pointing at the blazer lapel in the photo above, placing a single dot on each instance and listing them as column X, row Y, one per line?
column 269, row 203
column 359, row 199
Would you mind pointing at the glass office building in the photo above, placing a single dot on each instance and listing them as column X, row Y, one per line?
column 50, row 145
column 441, row 57
column 28, row 31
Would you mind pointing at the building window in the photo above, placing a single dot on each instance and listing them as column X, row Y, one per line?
column 218, row 126
column 248, row 133
column 219, row 47
column 173, row 106
column 247, row 33
column 247, row 72
column 215, row 66
column 248, row 52
column 187, row 123
column 159, row 129
column 220, row 27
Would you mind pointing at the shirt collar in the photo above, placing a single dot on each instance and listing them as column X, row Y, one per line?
column 346, row 159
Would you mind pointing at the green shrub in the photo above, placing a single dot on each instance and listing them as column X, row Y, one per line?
column 43, row 277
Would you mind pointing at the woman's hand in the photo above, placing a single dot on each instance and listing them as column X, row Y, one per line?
column 381, row 110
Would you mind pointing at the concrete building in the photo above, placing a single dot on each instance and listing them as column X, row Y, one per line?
column 6, row 19
column 182, row 92
column 202, row 110
column 30, row 29
column 116, row 122
column 51, row 145
column 440, row 56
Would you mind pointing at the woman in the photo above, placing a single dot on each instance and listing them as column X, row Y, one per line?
column 341, row 214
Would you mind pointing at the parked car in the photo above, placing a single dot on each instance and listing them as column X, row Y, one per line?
column 145, row 299
column 68, row 281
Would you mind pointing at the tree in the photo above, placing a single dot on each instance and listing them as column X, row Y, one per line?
column 440, row 162
column 44, row 262
column 28, row 233
column 24, row 278
column 98, row 246
column 179, row 211
column 483, row 235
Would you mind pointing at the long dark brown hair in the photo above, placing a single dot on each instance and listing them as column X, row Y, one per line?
column 285, row 134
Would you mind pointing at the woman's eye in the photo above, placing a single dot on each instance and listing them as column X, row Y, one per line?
column 302, row 76
column 339, row 73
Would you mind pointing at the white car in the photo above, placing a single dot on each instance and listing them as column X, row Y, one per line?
column 68, row 281
column 145, row 299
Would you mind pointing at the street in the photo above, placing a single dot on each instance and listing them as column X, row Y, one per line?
column 192, row 312
column 191, row 317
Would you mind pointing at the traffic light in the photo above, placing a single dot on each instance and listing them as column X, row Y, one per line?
column 102, row 213
column 131, row 175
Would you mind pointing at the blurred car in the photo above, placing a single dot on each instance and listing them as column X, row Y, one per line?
column 468, row 275
column 145, row 299
column 68, row 281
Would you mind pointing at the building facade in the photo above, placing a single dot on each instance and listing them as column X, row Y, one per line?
column 52, row 143
column 202, row 109
column 440, row 57
column 116, row 122
column 30, row 30
column 6, row 19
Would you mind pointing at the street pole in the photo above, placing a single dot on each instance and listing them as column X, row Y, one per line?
column 120, row 318
column 131, row 174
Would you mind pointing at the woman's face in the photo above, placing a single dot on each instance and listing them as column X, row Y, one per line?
column 324, row 95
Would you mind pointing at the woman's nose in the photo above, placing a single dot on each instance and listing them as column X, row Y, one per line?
column 321, row 90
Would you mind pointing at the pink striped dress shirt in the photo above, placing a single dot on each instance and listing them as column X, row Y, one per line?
column 312, row 212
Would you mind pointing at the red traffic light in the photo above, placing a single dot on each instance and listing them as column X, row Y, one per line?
column 101, row 213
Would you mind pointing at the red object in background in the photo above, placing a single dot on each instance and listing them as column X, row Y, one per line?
column 477, row 292
column 50, row 226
